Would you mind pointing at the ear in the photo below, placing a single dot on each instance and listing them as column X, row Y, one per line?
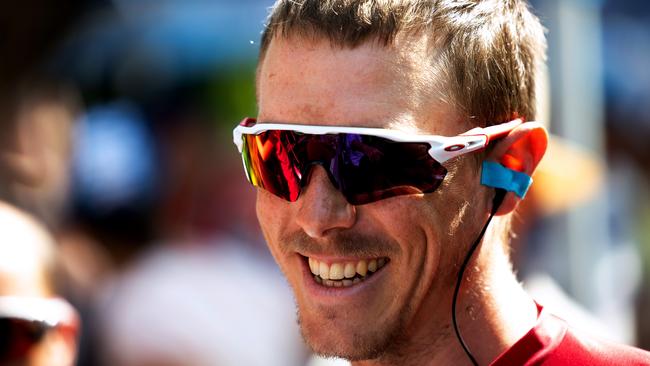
column 521, row 150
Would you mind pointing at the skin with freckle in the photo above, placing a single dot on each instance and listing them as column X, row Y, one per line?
column 415, row 232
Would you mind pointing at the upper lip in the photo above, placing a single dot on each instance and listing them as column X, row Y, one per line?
column 339, row 258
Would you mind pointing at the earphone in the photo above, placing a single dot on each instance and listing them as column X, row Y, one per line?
column 496, row 175
column 504, row 180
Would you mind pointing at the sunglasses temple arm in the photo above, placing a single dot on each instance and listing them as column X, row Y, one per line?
column 499, row 131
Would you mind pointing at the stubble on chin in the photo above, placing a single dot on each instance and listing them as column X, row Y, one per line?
column 374, row 341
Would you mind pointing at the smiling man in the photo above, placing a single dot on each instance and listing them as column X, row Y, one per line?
column 390, row 149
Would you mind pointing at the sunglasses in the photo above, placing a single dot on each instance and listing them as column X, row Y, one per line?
column 364, row 164
column 24, row 322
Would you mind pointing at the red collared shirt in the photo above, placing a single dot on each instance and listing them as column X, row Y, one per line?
column 553, row 343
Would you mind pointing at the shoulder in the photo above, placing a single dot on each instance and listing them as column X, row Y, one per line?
column 577, row 348
column 552, row 342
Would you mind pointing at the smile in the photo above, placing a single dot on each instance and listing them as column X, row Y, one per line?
column 344, row 274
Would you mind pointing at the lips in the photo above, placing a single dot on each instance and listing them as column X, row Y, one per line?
column 344, row 274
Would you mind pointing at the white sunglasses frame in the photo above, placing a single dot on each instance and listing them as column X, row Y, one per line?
column 51, row 311
column 442, row 148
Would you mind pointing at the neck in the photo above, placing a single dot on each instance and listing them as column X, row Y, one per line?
column 493, row 312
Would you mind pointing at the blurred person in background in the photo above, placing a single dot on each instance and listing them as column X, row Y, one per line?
column 37, row 327
column 36, row 149
column 36, row 108
column 375, row 281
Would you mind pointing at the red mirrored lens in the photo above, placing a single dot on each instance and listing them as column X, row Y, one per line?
column 270, row 164
column 18, row 336
column 364, row 168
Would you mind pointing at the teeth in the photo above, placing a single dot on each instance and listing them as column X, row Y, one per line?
column 362, row 267
column 344, row 274
column 324, row 270
column 314, row 267
column 336, row 271
column 372, row 265
column 350, row 270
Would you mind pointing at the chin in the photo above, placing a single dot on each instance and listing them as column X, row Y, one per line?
column 332, row 335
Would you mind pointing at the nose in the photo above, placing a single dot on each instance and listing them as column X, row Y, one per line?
column 322, row 208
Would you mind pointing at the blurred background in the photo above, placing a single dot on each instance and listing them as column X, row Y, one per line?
column 115, row 131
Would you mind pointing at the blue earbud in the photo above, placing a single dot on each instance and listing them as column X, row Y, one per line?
column 498, row 176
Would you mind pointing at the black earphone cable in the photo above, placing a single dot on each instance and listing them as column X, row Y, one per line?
column 496, row 203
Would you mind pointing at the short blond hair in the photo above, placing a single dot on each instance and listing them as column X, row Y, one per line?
column 487, row 52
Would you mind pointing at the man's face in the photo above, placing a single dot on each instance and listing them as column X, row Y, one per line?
column 420, row 239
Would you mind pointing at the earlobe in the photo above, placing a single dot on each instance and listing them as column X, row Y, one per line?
column 521, row 151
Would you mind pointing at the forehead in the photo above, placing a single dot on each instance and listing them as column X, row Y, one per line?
column 311, row 81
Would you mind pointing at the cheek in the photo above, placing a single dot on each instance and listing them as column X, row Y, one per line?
column 429, row 230
column 461, row 208
column 273, row 216
column 413, row 223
